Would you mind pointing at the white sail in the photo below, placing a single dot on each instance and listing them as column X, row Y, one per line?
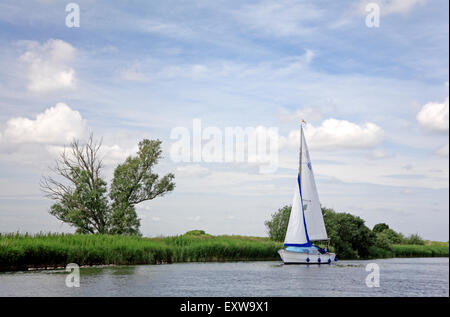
column 306, row 221
column 296, row 233
column 311, row 204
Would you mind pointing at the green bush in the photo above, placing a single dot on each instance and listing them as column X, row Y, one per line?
column 380, row 227
column 413, row 239
column 383, row 241
column 350, row 237
column 277, row 225
column 392, row 236
column 195, row 232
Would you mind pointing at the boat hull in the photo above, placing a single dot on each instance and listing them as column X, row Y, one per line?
column 289, row 257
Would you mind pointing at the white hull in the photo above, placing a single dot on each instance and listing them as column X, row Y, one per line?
column 289, row 257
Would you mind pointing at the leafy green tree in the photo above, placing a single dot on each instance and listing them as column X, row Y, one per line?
column 380, row 227
column 383, row 240
column 392, row 236
column 350, row 237
column 386, row 236
column 277, row 226
column 134, row 182
column 81, row 194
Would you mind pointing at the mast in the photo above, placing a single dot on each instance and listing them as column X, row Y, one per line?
column 308, row 243
column 301, row 150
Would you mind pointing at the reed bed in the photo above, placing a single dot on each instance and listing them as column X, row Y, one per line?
column 440, row 249
column 21, row 252
column 435, row 250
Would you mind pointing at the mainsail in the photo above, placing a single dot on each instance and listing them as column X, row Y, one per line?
column 306, row 221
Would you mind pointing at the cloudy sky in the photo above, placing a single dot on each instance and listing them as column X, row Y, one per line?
column 376, row 101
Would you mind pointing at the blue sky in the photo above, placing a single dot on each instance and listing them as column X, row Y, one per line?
column 142, row 68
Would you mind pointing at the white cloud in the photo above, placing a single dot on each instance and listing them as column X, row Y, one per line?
column 115, row 154
column 49, row 66
column 335, row 134
column 443, row 151
column 434, row 116
column 37, row 141
column 56, row 125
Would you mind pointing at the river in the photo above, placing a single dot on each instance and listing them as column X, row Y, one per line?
column 397, row 277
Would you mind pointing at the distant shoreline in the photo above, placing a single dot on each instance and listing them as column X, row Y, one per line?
column 48, row 251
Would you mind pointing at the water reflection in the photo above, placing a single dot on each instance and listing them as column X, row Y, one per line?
column 399, row 277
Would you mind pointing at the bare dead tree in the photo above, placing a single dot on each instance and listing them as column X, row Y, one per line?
column 77, row 187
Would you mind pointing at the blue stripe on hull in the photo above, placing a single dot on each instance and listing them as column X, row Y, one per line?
column 297, row 245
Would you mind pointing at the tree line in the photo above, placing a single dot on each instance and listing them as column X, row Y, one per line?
column 349, row 236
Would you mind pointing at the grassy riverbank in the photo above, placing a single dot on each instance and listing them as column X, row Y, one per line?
column 20, row 252
column 409, row 251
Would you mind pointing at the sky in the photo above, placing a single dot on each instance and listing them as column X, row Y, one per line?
column 375, row 100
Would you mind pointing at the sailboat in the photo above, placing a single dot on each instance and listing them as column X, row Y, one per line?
column 306, row 220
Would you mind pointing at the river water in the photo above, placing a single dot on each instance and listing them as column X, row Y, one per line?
column 397, row 277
